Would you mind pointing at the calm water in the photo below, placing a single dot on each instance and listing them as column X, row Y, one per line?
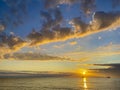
column 61, row 83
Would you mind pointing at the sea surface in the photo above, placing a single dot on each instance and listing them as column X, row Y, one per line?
column 59, row 83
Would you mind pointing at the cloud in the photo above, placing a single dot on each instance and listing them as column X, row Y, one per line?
column 4, row 50
column 53, row 32
column 109, row 47
column 59, row 46
column 49, row 21
column 79, row 25
column 28, row 73
column 111, row 70
column 46, row 34
column 100, row 21
column 10, row 43
column 87, row 6
column 85, row 56
column 33, row 56
column 99, row 53
column 111, row 66
column 73, row 43
column 15, row 42
column 105, row 20
column 44, row 37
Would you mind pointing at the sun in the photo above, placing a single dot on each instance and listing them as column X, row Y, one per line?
column 84, row 72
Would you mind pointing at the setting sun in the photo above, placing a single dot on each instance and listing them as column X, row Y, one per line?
column 84, row 72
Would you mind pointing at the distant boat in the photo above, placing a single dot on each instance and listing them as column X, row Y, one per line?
column 108, row 77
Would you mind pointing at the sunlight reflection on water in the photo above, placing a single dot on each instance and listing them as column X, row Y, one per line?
column 85, row 83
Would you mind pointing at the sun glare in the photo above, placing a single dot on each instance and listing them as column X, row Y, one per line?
column 84, row 72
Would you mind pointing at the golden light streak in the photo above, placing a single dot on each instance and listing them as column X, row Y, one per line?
column 85, row 83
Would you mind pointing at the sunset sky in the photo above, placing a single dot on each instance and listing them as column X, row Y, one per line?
column 60, row 35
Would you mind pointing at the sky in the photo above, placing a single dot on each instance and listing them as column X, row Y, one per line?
column 60, row 35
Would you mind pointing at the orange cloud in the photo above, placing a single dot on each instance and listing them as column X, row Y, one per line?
column 73, row 43
column 59, row 46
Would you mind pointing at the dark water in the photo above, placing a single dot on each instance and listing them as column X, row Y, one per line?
column 61, row 83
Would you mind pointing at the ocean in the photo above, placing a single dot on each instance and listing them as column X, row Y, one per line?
column 59, row 83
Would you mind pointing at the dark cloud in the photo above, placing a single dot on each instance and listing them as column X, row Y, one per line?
column 105, row 20
column 43, row 37
column 50, row 22
column 63, row 33
column 100, row 21
column 37, row 38
column 15, row 42
column 51, row 30
column 87, row 6
column 111, row 66
column 24, row 73
column 10, row 43
column 79, row 25
column 109, row 69
column 32, row 56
